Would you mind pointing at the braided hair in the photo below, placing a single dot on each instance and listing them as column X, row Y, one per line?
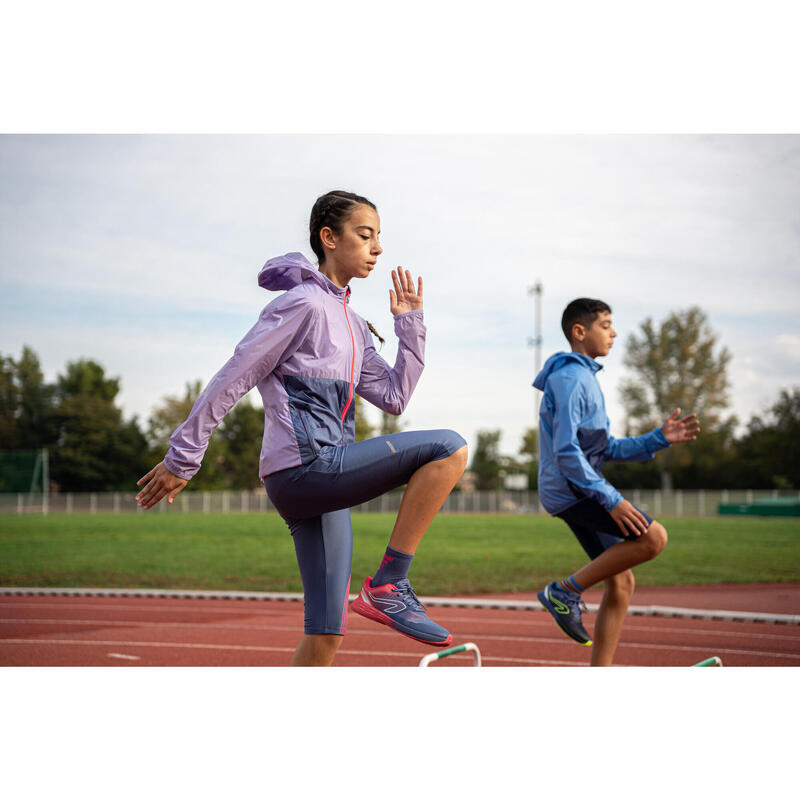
column 331, row 210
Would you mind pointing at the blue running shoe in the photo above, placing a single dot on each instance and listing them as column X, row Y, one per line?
column 566, row 609
column 396, row 605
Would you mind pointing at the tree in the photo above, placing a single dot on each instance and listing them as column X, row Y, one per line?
column 768, row 451
column 26, row 404
column 486, row 460
column 171, row 413
column 166, row 417
column 240, row 437
column 364, row 429
column 389, row 423
column 529, row 450
column 675, row 365
column 96, row 449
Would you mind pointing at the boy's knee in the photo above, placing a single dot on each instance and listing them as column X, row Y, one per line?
column 656, row 538
column 623, row 583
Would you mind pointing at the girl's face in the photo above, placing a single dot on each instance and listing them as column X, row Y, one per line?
column 354, row 252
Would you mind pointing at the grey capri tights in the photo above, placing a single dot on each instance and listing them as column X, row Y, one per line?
column 315, row 500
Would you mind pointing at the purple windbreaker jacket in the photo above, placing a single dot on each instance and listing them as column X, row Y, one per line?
column 307, row 353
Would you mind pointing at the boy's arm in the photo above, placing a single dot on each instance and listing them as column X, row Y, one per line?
column 570, row 459
column 635, row 448
column 643, row 448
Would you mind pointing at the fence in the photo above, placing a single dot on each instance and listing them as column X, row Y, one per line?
column 679, row 503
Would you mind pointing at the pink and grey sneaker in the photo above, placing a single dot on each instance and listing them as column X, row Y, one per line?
column 396, row 605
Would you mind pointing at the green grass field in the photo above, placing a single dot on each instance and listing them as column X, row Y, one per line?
column 460, row 555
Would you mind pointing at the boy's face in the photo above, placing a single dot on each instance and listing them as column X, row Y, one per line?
column 597, row 339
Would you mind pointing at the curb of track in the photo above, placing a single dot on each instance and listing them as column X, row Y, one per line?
column 453, row 602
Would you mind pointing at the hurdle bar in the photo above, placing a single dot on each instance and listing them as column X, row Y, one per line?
column 714, row 661
column 451, row 651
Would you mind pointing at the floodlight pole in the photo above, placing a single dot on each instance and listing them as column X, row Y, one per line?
column 45, row 482
column 536, row 341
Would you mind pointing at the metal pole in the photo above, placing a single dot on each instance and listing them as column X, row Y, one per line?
column 45, row 481
column 536, row 342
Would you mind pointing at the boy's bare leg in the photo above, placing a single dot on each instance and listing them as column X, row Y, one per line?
column 622, row 556
column 424, row 495
column 610, row 617
column 316, row 650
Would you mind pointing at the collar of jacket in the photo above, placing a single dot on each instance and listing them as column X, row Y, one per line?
column 289, row 270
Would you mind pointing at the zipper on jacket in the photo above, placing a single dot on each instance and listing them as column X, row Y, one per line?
column 353, row 362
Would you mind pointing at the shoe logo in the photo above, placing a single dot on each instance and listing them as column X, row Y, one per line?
column 387, row 604
column 558, row 605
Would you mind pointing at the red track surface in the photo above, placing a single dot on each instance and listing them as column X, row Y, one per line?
column 151, row 631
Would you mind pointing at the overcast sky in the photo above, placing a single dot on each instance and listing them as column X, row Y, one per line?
column 142, row 252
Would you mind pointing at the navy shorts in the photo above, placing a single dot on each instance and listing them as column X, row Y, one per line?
column 594, row 527
column 315, row 500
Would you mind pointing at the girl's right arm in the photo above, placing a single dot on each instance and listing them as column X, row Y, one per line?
column 278, row 333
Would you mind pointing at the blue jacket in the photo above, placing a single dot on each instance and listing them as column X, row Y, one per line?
column 574, row 435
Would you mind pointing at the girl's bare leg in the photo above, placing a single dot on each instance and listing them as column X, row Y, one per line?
column 316, row 650
column 608, row 626
column 424, row 495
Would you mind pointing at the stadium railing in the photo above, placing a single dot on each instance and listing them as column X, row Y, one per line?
column 678, row 503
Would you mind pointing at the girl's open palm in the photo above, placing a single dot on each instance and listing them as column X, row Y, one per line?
column 404, row 297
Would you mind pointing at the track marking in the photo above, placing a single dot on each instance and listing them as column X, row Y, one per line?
column 122, row 655
column 260, row 648
column 521, row 640
column 461, row 602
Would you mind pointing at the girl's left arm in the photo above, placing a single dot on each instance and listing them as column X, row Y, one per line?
column 390, row 388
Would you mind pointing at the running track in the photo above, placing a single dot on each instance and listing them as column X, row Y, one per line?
column 82, row 630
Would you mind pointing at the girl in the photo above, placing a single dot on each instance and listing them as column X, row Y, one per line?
column 307, row 353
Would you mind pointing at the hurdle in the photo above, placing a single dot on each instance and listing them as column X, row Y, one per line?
column 451, row 651
column 714, row 661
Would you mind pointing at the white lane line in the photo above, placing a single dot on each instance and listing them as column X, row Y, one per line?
column 460, row 602
column 517, row 638
column 123, row 656
column 193, row 646
column 479, row 637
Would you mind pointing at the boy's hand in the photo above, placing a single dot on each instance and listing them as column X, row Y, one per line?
column 631, row 521
column 680, row 430
column 159, row 481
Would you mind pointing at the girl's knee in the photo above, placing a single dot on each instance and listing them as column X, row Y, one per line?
column 455, row 447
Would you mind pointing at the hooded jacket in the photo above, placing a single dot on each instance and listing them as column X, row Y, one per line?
column 308, row 354
column 575, row 438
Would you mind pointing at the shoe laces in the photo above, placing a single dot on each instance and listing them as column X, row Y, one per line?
column 575, row 602
column 408, row 594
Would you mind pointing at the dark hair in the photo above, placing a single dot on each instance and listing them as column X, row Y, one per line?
column 330, row 210
column 582, row 311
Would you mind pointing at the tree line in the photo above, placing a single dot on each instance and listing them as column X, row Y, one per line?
column 92, row 448
column 675, row 363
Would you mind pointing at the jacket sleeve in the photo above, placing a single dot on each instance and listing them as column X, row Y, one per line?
column 390, row 388
column 636, row 448
column 569, row 458
column 279, row 331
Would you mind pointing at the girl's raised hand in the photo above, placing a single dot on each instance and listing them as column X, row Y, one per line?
column 404, row 298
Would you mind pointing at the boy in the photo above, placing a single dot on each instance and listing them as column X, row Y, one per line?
column 574, row 442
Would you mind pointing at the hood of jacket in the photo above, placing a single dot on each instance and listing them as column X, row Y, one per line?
column 559, row 360
column 285, row 272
